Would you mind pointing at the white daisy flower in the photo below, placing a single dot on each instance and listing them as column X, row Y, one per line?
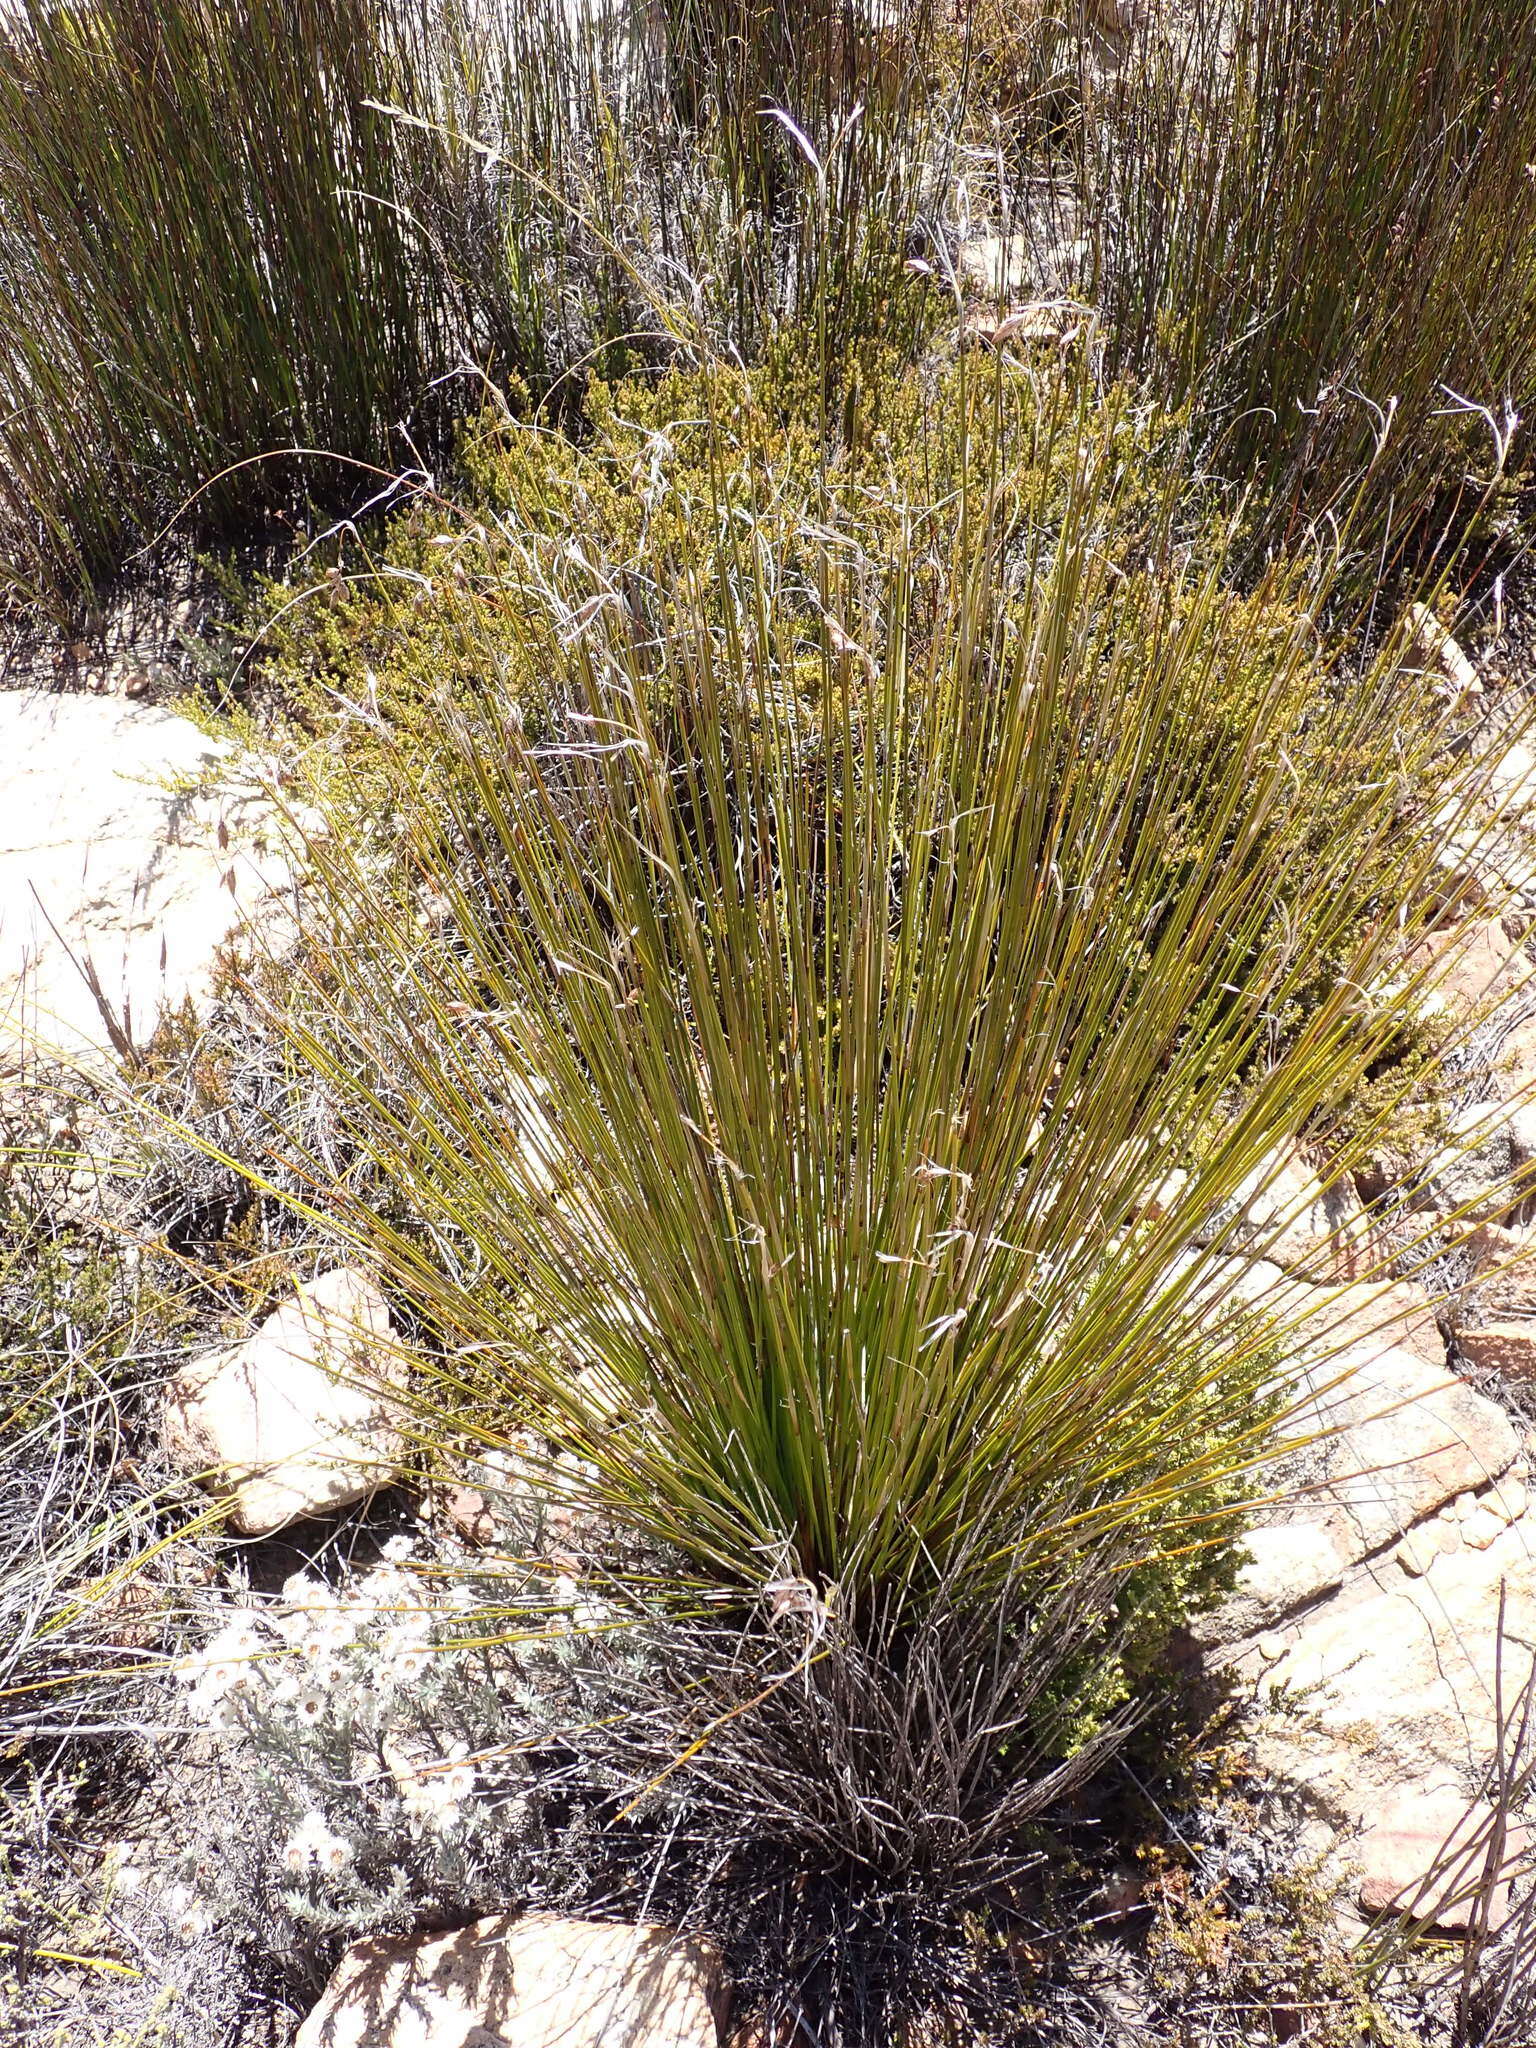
column 202, row 1700
column 396, row 1600
column 241, row 1638
column 212, row 1700
column 224, row 1663
column 405, row 1661
column 458, row 1781
column 306, row 1591
column 431, row 1792
column 330, row 1629
column 187, row 1917
column 334, row 1856
column 430, row 1811
column 294, row 1628
column 385, row 1587
column 222, row 1717
column 313, row 1606
column 314, row 1845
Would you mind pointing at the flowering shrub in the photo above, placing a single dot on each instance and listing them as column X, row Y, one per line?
column 379, row 1745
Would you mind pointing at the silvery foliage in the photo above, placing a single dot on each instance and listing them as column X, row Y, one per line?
column 385, row 1750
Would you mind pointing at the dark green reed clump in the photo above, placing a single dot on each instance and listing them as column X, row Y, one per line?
column 232, row 229
column 1317, row 219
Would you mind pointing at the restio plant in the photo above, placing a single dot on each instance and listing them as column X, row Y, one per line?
column 212, row 247
column 1318, row 223
column 231, row 232
column 804, row 1063
column 422, row 609
column 835, row 874
column 422, row 605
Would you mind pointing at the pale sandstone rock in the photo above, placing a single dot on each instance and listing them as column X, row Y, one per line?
column 1379, row 1584
column 1221, row 1289
column 1486, row 1167
column 1166, row 1196
column 1512, row 779
column 100, row 860
column 1507, row 1346
column 1485, row 867
column 1403, row 1437
column 1482, row 1529
column 1044, row 323
column 1508, row 1500
column 1381, row 1314
column 1436, row 647
column 1429, row 1855
column 532, row 1982
column 1393, row 1439
column 1242, row 1283
column 468, row 1514
column 1503, row 1270
column 1417, row 1552
column 1476, row 964
column 994, row 267
column 1286, row 1565
column 1394, row 1679
column 540, row 1166
column 1288, row 1217
column 1338, row 1327
column 297, row 1418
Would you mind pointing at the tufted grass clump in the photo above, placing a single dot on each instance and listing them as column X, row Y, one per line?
column 420, row 612
column 85, row 1333
column 790, row 1022
column 261, row 255
column 422, row 604
column 856, row 937
column 212, row 247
